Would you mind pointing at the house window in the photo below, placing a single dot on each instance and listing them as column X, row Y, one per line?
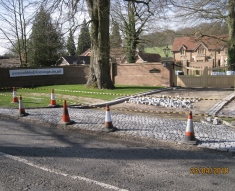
column 182, row 52
column 201, row 51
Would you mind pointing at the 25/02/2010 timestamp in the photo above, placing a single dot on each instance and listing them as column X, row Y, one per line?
column 209, row 170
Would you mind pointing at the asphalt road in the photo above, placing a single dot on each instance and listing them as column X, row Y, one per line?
column 39, row 156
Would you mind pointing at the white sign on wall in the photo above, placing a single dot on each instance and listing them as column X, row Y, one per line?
column 36, row 72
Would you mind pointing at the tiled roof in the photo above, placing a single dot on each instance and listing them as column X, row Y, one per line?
column 119, row 54
column 147, row 57
column 70, row 59
column 83, row 60
column 77, row 59
column 191, row 43
column 86, row 53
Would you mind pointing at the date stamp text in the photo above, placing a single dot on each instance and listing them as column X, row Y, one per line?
column 209, row 170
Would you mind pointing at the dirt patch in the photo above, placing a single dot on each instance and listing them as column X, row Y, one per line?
column 200, row 107
column 208, row 93
column 75, row 99
column 213, row 96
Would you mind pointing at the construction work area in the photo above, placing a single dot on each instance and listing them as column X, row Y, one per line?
column 147, row 123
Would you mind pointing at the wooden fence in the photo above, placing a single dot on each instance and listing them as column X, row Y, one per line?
column 205, row 80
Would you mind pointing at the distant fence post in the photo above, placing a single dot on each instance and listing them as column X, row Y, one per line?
column 185, row 64
column 113, row 71
column 205, row 77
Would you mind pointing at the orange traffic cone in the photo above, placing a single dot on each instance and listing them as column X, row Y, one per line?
column 14, row 99
column 189, row 133
column 53, row 100
column 21, row 108
column 65, row 118
column 108, row 120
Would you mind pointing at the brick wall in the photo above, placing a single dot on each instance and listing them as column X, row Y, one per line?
column 72, row 75
column 201, row 64
column 124, row 74
column 139, row 74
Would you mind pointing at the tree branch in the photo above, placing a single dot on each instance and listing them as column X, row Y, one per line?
column 142, row 2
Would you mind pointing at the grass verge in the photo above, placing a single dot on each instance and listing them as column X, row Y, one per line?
column 40, row 96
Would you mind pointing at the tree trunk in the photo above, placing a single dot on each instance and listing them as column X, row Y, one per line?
column 131, row 35
column 100, row 47
column 231, row 38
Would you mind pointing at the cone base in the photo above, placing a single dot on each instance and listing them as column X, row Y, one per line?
column 23, row 114
column 67, row 123
column 53, row 105
column 111, row 129
column 190, row 141
column 14, row 102
column 108, row 126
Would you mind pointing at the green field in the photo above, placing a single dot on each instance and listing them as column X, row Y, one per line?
column 40, row 96
column 158, row 50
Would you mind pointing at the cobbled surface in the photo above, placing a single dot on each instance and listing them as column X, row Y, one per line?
column 220, row 137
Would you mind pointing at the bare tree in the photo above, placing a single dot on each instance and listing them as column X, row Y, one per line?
column 99, row 12
column 13, row 15
column 136, row 19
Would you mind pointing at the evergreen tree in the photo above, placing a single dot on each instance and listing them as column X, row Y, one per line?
column 71, row 45
column 115, row 37
column 84, row 39
column 45, row 41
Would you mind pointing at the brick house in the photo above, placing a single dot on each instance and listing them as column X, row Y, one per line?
column 118, row 55
column 86, row 53
column 74, row 60
column 205, row 49
column 142, row 57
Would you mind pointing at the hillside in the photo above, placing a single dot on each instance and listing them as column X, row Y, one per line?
column 158, row 50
